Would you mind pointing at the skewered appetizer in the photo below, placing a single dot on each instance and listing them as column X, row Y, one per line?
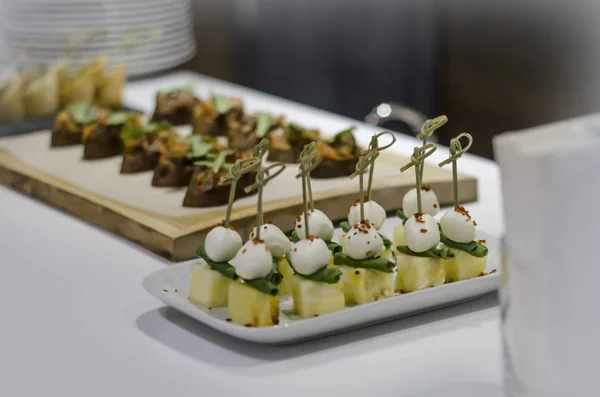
column 287, row 142
column 429, row 201
column 253, row 300
column 67, row 129
column 339, row 156
column 12, row 107
column 316, row 287
column 207, row 187
column 142, row 144
column 430, row 204
column 175, row 106
column 102, row 138
column 213, row 116
column 367, row 274
column 419, row 261
column 211, row 280
column 458, row 229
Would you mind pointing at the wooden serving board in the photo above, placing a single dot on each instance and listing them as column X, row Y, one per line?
column 153, row 217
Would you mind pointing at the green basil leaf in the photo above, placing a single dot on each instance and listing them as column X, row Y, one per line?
column 225, row 268
column 326, row 274
column 221, row 103
column 400, row 214
column 263, row 123
column 345, row 226
column 295, row 237
column 263, row 285
column 337, row 138
column 334, row 247
column 156, row 127
column 379, row 264
column 436, row 253
column 117, row 118
column 472, row 248
column 79, row 112
column 199, row 146
column 386, row 242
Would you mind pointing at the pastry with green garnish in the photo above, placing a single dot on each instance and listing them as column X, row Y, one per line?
column 458, row 229
column 175, row 105
column 142, row 145
column 67, row 129
column 211, row 117
column 211, row 280
column 175, row 166
column 288, row 140
column 102, row 138
column 340, row 155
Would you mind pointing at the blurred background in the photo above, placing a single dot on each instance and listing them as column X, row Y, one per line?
column 490, row 65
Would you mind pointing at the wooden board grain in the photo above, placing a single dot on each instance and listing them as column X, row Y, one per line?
column 177, row 237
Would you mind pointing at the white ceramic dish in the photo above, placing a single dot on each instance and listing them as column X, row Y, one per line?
column 171, row 285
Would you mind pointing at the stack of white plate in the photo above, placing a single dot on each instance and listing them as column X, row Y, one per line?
column 147, row 35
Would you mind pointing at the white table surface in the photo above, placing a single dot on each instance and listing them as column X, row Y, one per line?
column 75, row 320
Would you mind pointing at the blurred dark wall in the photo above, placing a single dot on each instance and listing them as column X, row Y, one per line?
column 490, row 65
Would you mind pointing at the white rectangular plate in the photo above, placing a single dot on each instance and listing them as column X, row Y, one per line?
column 171, row 285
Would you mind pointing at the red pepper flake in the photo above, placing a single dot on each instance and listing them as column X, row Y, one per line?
column 248, row 325
column 461, row 210
column 266, row 248
column 357, row 272
column 299, row 218
column 269, row 222
column 423, row 230
column 210, row 308
column 228, row 320
column 252, row 235
column 419, row 217
column 375, row 236
column 355, row 233
column 265, row 227
column 481, row 241
column 368, row 242
column 474, row 223
column 299, row 226
column 165, row 290
column 295, row 249
column 435, row 206
column 316, row 315
column 244, row 251
column 493, row 271
column 257, row 241
column 426, row 187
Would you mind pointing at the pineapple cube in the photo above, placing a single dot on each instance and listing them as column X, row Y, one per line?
column 463, row 266
column 312, row 298
column 399, row 238
column 416, row 273
column 285, row 288
column 208, row 287
column 252, row 308
column 363, row 285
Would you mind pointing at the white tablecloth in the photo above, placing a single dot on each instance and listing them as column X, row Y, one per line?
column 75, row 320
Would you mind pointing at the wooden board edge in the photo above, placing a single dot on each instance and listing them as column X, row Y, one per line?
column 90, row 212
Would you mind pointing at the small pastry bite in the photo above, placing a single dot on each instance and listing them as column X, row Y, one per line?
column 340, row 155
column 12, row 107
column 42, row 95
column 110, row 87
column 82, row 87
column 366, row 274
column 67, row 129
column 287, row 141
column 102, row 138
column 211, row 280
column 458, row 229
column 142, row 145
column 253, row 301
column 213, row 117
column 419, row 261
column 174, row 167
column 175, row 106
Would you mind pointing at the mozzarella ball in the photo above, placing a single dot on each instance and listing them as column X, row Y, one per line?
column 253, row 260
column 277, row 241
column 458, row 226
column 363, row 241
column 310, row 255
column 421, row 233
column 221, row 244
column 319, row 224
column 374, row 213
column 429, row 202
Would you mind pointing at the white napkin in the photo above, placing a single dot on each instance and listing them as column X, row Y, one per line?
column 551, row 190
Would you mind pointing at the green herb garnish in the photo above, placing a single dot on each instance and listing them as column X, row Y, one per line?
column 263, row 123
column 473, row 248
column 275, row 276
column 264, row 286
column 345, row 226
column 303, row 132
column 400, row 214
column 337, row 138
column 226, row 269
column 334, row 247
column 156, row 127
column 221, row 103
column 80, row 112
column 221, row 159
column 199, row 145
column 326, row 274
column 379, row 264
column 117, row 118
column 436, row 253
